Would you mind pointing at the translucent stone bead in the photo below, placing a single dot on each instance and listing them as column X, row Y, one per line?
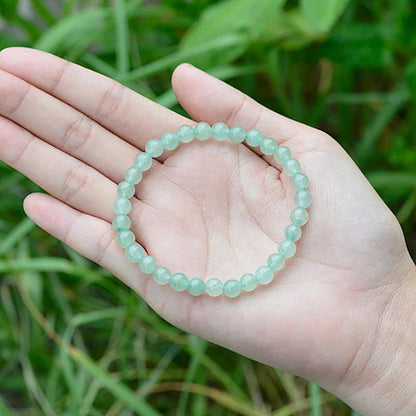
column 214, row 287
column 147, row 264
column 121, row 222
column 143, row 161
column 125, row 238
column 162, row 276
column 291, row 167
column 264, row 275
column 219, row 131
column 179, row 282
column 300, row 181
column 133, row 175
column 248, row 282
column 125, row 190
column 237, row 134
column 232, row 288
column 170, row 141
column 293, row 232
column 303, row 198
column 154, row 148
column 185, row 134
column 122, row 206
column 202, row 131
column 268, row 146
column 276, row 262
column 287, row 248
column 299, row 216
column 254, row 137
column 282, row 154
column 196, row 286
column 134, row 252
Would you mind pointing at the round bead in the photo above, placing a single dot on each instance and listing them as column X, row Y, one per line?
column 291, row 167
column 122, row 206
column 254, row 137
column 170, row 141
column 248, row 282
column 125, row 189
column 276, row 262
column 232, row 288
column 237, row 134
column 287, row 248
column 303, row 198
column 202, row 131
column 282, row 154
column 133, row 175
column 299, row 216
column 179, row 282
column 162, row 276
column 268, row 146
column 219, row 131
column 121, row 222
column 147, row 264
column 125, row 238
column 154, row 148
column 196, row 286
column 214, row 287
column 185, row 134
column 293, row 232
column 264, row 275
column 143, row 161
column 300, row 181
column 134, row 252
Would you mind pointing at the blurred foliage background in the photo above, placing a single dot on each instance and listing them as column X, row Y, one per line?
column 73, row 340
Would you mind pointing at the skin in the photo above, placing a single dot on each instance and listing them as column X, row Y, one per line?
column 340, row 313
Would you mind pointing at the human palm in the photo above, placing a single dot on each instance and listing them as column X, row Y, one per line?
column 208, row 209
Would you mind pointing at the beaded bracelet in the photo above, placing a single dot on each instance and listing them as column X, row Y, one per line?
column 214, row 287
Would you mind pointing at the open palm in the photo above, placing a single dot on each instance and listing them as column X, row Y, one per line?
column 207, row 209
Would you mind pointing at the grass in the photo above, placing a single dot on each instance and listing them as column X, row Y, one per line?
column 73, row 340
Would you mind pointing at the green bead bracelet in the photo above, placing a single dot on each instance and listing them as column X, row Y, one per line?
column 213, row 287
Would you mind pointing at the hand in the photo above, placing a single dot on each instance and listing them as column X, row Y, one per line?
column 210, row 209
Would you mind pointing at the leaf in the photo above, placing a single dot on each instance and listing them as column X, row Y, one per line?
column 8, row 9
column 322, row 14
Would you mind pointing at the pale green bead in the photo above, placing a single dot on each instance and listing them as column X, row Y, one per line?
column 248, row 282
column 214, row 287
column 276, row 262
column 291, row 167
column 232, row 288
column 299, row 216
column 162, row 276
column 303, row 198
column 196, row 286
column 219, row 131
column 282, row 154
column 269, row 146
column 185, row 133
column 148, row 264
column 179, row 282
column 125, row 238
column 133, row 175
column 264, row 275
column 134, row 252
column 154, row 148
column 293, row 232
column 202, row 131
column 287, row 248
column 121, row 222
column 143, row 161
column 237, row 134
column 300, row 181
column 125, row 190
column 122, row 206
column 254, row 137
column 170, row 141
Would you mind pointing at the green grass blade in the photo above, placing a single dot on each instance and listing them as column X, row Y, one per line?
column 315, row 397
column 122, row 37
column 17, row 234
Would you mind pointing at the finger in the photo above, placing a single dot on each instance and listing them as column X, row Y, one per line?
column 127, row 114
